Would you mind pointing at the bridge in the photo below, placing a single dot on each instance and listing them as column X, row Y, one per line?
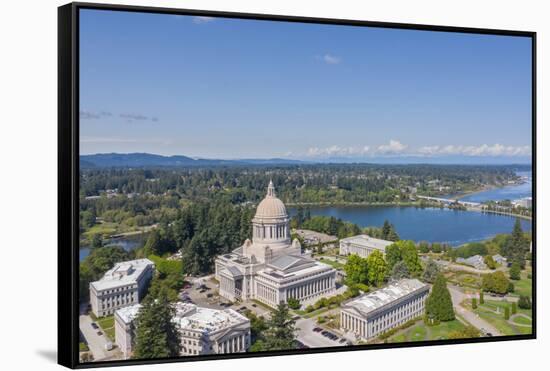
column 450, row 201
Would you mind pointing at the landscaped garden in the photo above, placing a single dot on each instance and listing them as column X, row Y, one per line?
column 494, row 312
column 420, row 331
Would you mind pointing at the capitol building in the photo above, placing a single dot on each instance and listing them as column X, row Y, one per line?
column 271, row 268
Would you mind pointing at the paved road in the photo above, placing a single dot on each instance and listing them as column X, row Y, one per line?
column 312, row 339
column 96, row 342
column 458, row 297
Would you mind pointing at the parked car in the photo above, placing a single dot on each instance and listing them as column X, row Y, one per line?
column 242, row 308
column 254, row 305
column 100, row 333
column 209, row 295
column 317, row 329
column 95, row 326
column 342, row 340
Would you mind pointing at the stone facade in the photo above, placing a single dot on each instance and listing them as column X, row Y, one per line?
column 122, row 286
column 202, row 330
column 372, row 314
column 362, row 245
column 271, row 268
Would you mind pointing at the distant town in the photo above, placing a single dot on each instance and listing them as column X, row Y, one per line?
column 188, row 261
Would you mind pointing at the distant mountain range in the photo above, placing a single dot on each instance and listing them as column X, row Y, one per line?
column 126, row 160
column 137, row 160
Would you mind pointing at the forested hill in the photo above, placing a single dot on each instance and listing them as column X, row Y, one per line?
column 138, row 160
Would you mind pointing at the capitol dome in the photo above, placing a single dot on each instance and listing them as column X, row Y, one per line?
column 271, row 207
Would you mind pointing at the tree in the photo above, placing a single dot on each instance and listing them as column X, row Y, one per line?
column 376, row 268
column 515, row 271
column 439, row 306
column 481, row 298
column 516, row 246
column 400, row 271
column 430, row 271
column 293, row 303
column 393, row 255
column 506, row 313
column 280, row 333
column 388, row 232
column 157, row 334
column 495, row 282
column 410, row 257
column 490, row 262
column 97, row 241
column 474, row 303
column 514, row 307
column 404, row 251
column 524, row 302
column 356, row 269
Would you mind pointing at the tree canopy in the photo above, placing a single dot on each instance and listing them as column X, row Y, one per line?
column 439, row 306
column 157, row 334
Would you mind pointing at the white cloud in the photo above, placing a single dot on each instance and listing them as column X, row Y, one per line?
column 393, row 147
column 337, row 151
column 494, row 150
column 329, row 59
column 106, row 140
column 202, row 20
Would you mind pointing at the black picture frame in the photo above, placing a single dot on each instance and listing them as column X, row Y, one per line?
column 68, row 179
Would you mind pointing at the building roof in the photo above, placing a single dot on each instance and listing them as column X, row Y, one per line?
column 367, row 241
column 192, row 317
column 232, row 271
column 124, row 273
column 271, row 207
column 372, row 301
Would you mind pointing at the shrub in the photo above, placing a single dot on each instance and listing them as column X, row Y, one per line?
column 474, row 303
column 514, row 307
column 293, row 303
column 507, row 313
column 524, row 302
column 515, row 271
column 481, row 298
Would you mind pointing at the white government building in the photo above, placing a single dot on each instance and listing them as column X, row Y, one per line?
column 362, row 245
column 202, row 330
column 121, row 286
column 271, row 268
column 372, row 314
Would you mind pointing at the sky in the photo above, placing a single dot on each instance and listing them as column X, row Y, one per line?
column 227, row 88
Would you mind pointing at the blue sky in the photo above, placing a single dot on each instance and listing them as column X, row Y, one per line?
column 227, row 88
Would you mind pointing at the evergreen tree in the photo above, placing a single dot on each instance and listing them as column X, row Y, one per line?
column 386, row 230
column 481, row 298
column 506, row 313
column 376, row 268
column 514, row 307
column 516, row 245
column 280, row 333
column 439, row 305
column 157, row 335
column 474, row 303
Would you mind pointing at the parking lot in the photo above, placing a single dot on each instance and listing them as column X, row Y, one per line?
column 314, row 336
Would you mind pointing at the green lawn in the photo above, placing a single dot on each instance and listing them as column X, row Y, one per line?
column 522, row 321
column 421, row 331
column 524, row 286
column 488, row 312
column 333, row 264
column 83, row 347
column 107, row 324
